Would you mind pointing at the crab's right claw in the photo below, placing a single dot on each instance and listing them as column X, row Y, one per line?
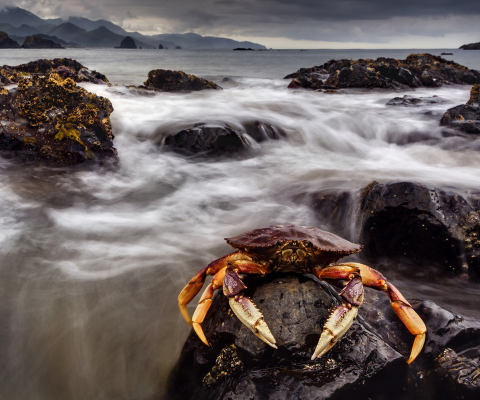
column 244, row 308
column 337, row 324
column 248, row 313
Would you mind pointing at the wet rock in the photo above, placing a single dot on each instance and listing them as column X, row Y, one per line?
column 7, row 43
column 446, row 54
column 176, row 81
column 127, row 43
column 37, row 42
column 459, row 377
column 465, row 117
column 51, row 119
column 407, row 221
column 295, row 308
column 387, row 73
column 214, row 140
column 415, row 101
column 262, row 131
column 66, row 67
column 309, row 78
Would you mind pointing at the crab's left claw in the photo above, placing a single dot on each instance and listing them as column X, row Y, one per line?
column 342, row 316
column 245, row 309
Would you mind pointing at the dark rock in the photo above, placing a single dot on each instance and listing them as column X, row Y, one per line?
column 160, row 46
column 7, row 43
column 176, row 81
column 43, row 66
column 178, row 48
column 415, row 101
column 387, row 73
column 128, row 43
column 465, row 117
column 446, row 54
column 458, row 377
column 37, row 42
column 51, row 119
column 471, row 46
column 244, row 49
column 407, row 221
column 261, row 131
column 206, row 139
column 295, row 309
column 308, row 78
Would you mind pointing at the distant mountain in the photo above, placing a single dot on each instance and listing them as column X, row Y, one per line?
column 17, row 16
column 18, row 22
column 195, row 41
column 90, row 25
column 67, row 31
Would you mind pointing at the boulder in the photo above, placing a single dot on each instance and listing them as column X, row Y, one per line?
column 176, row 81
column 37, row 42
column 471, row 46
column 237, row 365
column 465, row 117
column 213, row 140
column 66, row 67
column 51, row 119
column 410, row 101
column 367, row 362
column 7, row 43
column 387, row 73
column 127, row 43
column 407, row 221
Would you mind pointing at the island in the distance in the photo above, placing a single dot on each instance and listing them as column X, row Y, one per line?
column 471, row 46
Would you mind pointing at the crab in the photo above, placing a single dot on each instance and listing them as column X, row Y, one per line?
column 297, row 249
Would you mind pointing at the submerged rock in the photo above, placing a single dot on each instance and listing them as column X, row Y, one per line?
column 202, row 138
column 465, row 117
column 7, row 43
column 176, row 81
column 37, row 42
column 51, row 119
column 415, row 101
column 66, row 67
column 387, row 73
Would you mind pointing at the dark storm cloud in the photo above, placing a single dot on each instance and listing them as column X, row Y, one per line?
column 326, row 20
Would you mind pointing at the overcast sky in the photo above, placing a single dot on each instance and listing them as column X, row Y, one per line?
column 288, row 23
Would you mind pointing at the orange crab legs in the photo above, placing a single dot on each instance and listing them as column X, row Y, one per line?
column 235, row 262
column 193, row 287
column 376, row 280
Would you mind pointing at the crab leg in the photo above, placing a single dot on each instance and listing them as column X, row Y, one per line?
column 342, row 316
column 205, row 303
column 244, row 308
column 400, row 305
column 196, row 283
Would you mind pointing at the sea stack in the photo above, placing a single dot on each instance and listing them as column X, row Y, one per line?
column 128, row 43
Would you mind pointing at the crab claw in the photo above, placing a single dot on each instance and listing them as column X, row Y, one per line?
column 337, row 324
column 248, row 313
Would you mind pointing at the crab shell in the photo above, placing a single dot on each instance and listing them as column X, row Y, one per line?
column 322, row 247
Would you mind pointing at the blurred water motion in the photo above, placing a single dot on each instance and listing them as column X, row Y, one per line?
column 93, row 261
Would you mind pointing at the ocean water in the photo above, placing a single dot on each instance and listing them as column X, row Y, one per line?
column 92, row 261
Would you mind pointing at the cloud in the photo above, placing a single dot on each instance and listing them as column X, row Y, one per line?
column 357, row 21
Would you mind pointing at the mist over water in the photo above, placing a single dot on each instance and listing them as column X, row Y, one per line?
column 93, row 260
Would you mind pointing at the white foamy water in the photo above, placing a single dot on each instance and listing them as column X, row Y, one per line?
column 93, row 261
